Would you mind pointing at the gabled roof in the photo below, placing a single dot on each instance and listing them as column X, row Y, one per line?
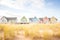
column 41, row 19
column 23, row 18
column 54, row 18
column 10, row 18
column 31, row 19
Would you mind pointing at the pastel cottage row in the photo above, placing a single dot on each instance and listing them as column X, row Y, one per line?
column 25, row 20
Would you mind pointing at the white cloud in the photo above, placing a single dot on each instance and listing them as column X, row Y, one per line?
column 9, row 3
column 36, row 8
column 3, row 13
column 6, row 13
column 38, row 3
column 12, row 14
column 34, row 3
column 20, row 3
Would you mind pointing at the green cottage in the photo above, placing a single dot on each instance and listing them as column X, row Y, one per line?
column 23, row 20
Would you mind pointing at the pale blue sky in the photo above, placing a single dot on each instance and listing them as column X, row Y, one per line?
column 29, row 8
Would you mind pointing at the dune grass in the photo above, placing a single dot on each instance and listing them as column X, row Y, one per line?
column 32, row 30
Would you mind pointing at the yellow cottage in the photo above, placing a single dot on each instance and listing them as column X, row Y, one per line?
column 53, row 20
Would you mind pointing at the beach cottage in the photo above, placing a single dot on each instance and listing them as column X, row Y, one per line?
column 24, row 20
column 8, row 19
column 40, row 20
column 33, row 20
column 46, row 20
column 53, row 19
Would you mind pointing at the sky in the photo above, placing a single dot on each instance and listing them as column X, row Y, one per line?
column 30, row 8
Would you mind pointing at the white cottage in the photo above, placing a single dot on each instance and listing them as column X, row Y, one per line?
column 8, row 19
